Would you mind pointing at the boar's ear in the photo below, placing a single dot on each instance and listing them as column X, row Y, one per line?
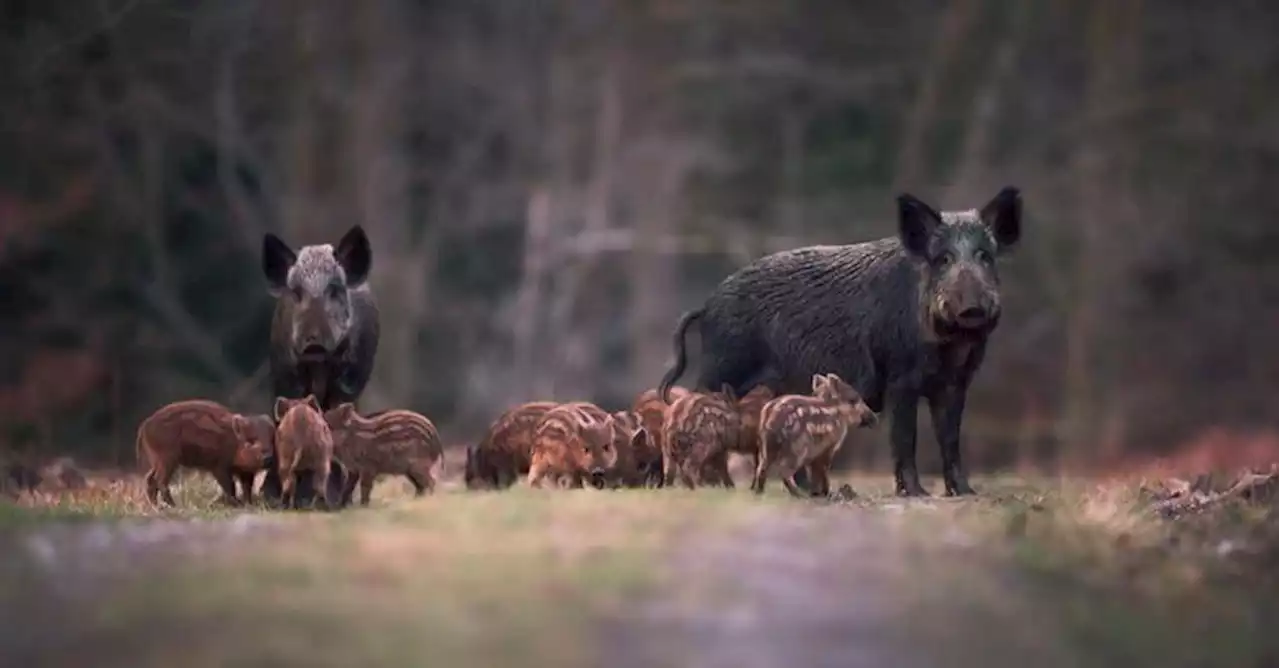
column 240, row 427
column 917, row 222
column 1003, row 216
column 280, row 408
column 277, row 259
column 638, row 439
column 355, row 256
column 727, row 390
column 819, row 382
column 312, row 402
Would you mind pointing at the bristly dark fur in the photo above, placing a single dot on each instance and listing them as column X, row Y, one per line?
column 325, row 330
column 901, row 318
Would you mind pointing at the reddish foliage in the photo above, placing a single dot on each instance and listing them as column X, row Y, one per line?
column 1213, row 450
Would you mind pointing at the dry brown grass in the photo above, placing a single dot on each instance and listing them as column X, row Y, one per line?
column 517, row 577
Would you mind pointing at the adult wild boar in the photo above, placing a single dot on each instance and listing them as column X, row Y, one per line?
column 324, row 333
column 901, row 318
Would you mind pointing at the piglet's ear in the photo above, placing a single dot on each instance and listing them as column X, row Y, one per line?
column 239, row 427
column 280, row 408
column 312, row 402
column 1003, row 216
column 638, row 439
column 917, row 222
column 727, row 390
column 819, row 382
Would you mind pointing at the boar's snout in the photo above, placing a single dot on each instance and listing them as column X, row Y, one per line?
column 869, row 419
column 972, row 316
column 597, row 478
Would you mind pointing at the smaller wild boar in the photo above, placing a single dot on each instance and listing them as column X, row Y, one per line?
column 566, row 444
column 642, row 448
column 19, row 477
column 698, row 432
column 798, row 431
column 479, row 473
column 304, row 442
column 203, row 435
column 506, row 451
column 395, row 442
column 749, row 407
column 652, row 411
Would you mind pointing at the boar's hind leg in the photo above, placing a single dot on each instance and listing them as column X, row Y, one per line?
column 789, row 481
column 422, row 481
column 946, row 410
column 158, row 479
column 819, row 480
column 334, row 483
column 762, row 475
column 366, row 488
column 153, row 486
column 349, row 489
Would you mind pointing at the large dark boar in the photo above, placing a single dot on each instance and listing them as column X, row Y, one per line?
column 900, row 318
column 324, row 334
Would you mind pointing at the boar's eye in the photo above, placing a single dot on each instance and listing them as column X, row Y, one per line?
column 586, row 449
column 983, row 256
column 334, row 289
column 944, row 260
column 296, row 291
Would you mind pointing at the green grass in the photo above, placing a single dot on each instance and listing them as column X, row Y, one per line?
column 472, row 578
column 519, row 577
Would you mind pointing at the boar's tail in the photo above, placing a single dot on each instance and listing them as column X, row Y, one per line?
column 673, row 374
column 138, row 451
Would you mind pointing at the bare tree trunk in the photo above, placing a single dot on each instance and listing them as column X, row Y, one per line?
column 578, row 367
column 971, row 170
column 1099, row 170
column 300, row 155
column 913, row 146
column 657, row 179
column 529, row 297
column 379, row 177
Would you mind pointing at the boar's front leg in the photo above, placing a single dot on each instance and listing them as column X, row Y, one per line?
column 902, row 435
column 246, row 486
column 946, row 408
column 228, row 485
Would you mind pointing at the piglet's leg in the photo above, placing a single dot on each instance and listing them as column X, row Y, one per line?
column 228, row 485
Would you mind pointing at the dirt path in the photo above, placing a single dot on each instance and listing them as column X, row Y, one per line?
column 821, row 586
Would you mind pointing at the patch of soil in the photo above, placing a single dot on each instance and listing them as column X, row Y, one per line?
column 819, row 586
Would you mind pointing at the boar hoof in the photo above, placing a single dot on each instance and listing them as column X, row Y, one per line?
column 911, row 487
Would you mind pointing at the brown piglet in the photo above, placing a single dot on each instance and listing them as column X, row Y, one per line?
column 304, row 442
column 652, row 411
column 697, row 433
column 749, row 407
column 798, row 431
column 565, row 443
column 636, row 443
column 207, row 436
column 506, row 451
column 395, row 442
